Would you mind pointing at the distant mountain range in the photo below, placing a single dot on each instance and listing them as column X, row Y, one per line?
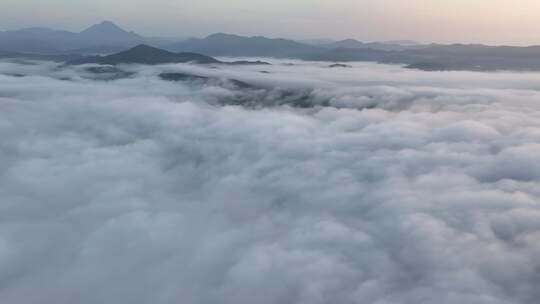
column 385, row 46
column 145, row 54
column 234, row 45
column 445, row 57
column 108, row 38
column 105, row 37
column 33, row 56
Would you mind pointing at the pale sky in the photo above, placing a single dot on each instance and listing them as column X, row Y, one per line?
column 483, row 21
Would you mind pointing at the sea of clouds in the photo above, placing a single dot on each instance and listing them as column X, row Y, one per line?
column 381, row 186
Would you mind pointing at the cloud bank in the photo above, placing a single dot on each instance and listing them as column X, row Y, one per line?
column 387, row 186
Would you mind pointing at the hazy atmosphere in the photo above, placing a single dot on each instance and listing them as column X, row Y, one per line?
column 215, row 152
column 479, row 21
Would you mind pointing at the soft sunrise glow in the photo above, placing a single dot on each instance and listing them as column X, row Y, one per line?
column 482, row 21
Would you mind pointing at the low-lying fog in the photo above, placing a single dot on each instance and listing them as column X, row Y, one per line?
column 288, row 183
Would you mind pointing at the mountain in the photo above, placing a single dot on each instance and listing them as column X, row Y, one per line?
column 35, row 32
column 144, row 54
column 478, row 50
column 403, row 42
column 49, row 41
column 101, row 49
column 107, row 38
column 445, row 57
column 30, row 56
column 479, row 57
column 385, row 46
column 107, row 30
column 234, row 45
column 35, row 40
column 344, row 54
column 317, row 42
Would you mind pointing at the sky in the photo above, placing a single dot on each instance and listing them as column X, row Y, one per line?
column 468, row 21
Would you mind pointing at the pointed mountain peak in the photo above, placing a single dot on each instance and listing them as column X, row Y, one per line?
column 146, row 48
column 108, row 30
column 104, row 26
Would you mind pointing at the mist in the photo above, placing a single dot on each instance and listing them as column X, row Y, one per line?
column 386, row 185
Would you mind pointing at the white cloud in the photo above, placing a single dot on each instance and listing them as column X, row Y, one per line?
column 142, row 191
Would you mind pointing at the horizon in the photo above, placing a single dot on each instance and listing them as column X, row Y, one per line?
column 367, row 20
column 301, row 39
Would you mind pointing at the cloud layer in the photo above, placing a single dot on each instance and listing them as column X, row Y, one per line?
column 393, row 186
